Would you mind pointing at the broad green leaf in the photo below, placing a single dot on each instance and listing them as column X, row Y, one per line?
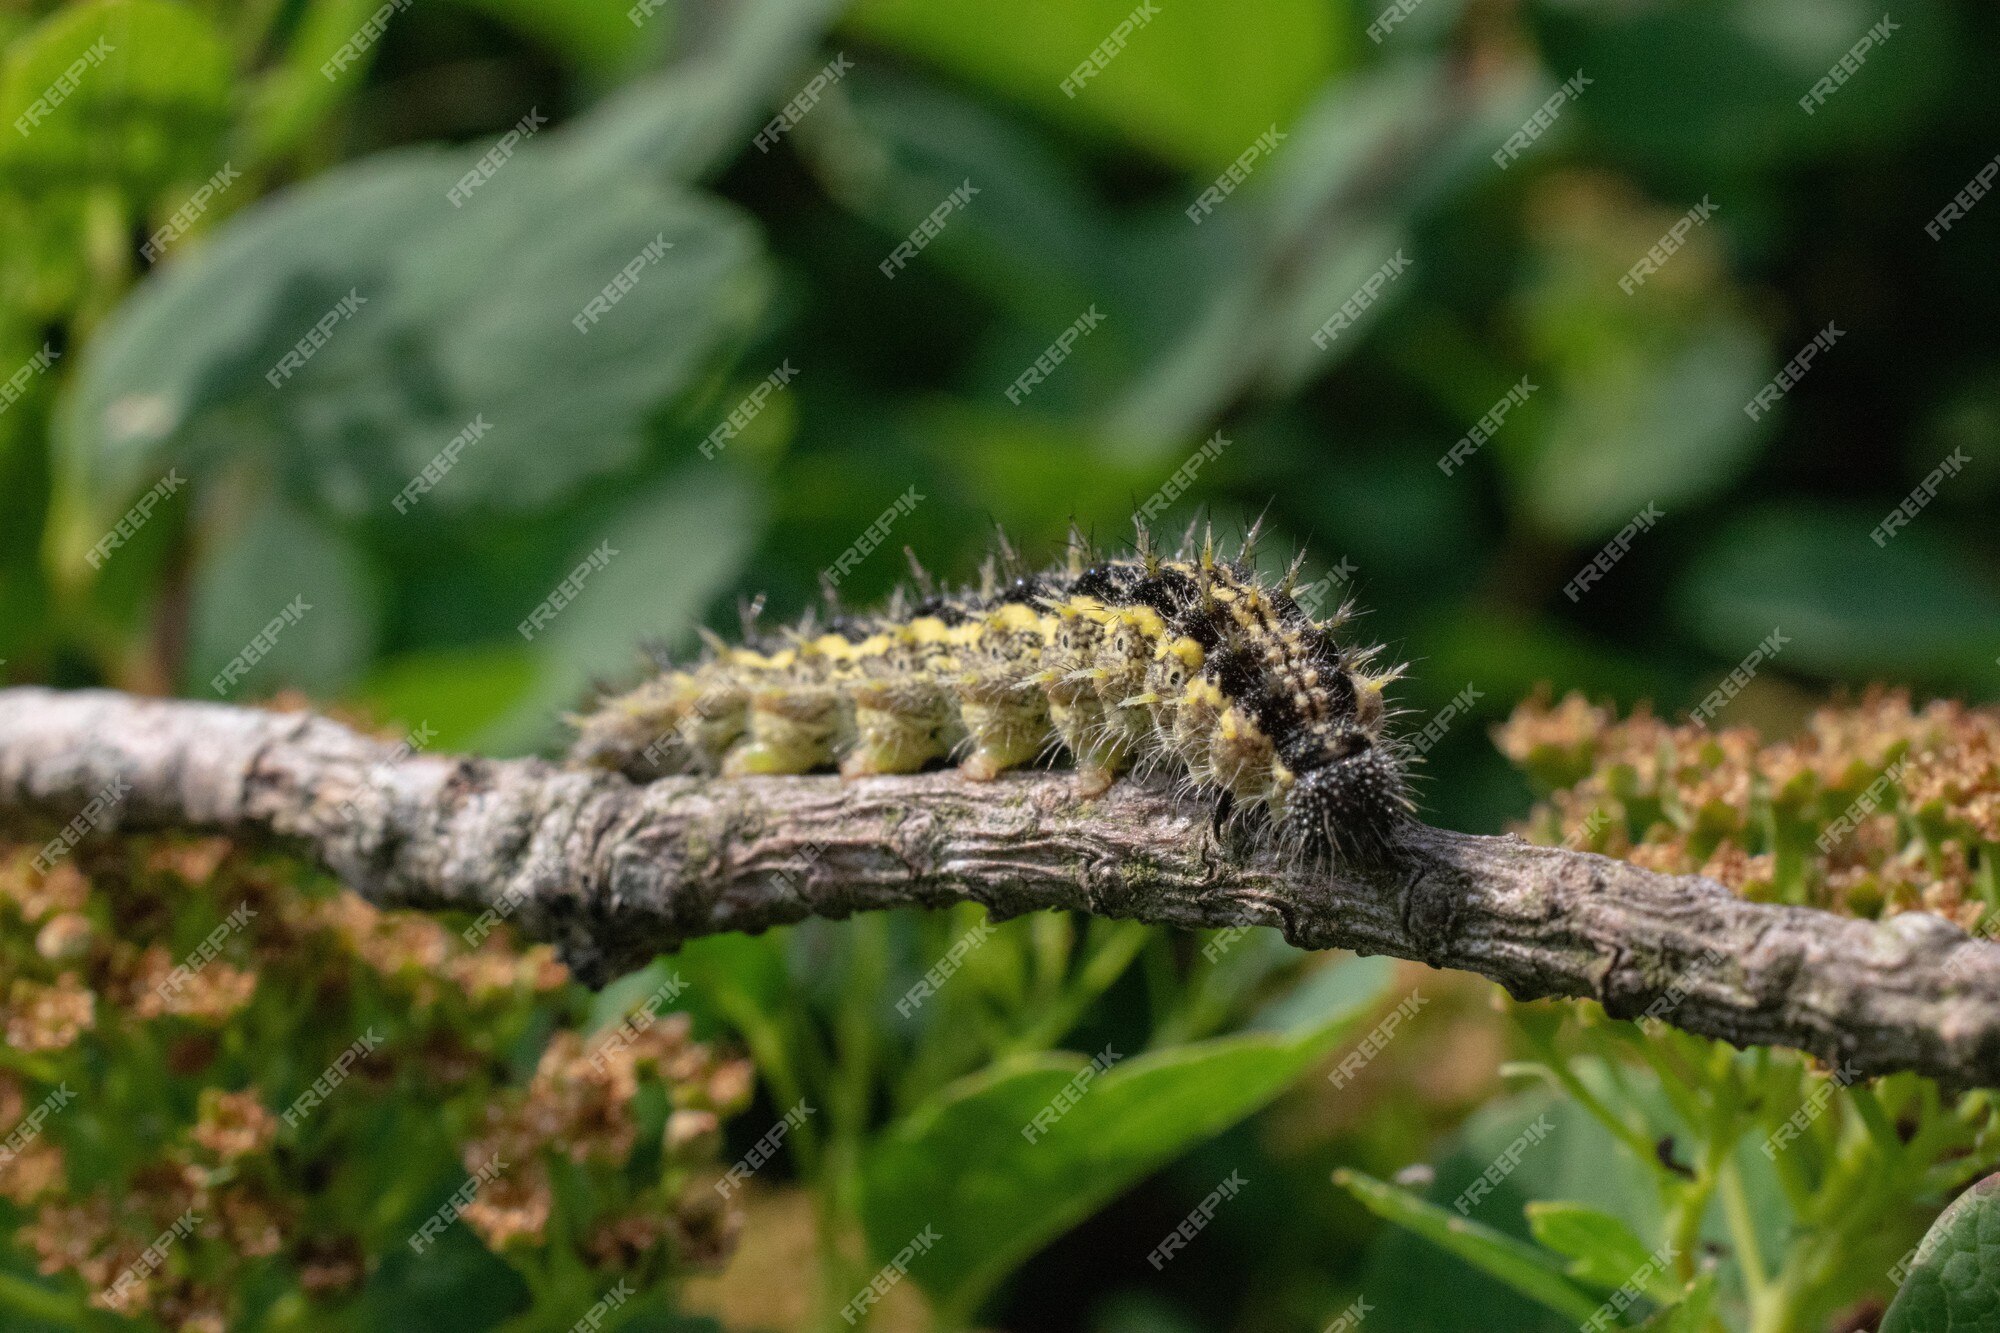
column 353, row 328
column 456, row 692
column 1533, row 1272
column 286, row 595
column 1601, row 1248
column 1753, row 60
column 1193, row 83
column 661, row 560
column 1656, row 425
column 1910, row 606
column 1954, row 1277
column 131, row 91
column 964, row 1165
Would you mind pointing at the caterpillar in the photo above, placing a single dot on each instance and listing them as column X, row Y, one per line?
column 1187, row 663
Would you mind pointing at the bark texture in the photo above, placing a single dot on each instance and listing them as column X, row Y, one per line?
column 614, row 872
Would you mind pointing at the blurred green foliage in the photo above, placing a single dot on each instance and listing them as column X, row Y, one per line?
column 662, row 128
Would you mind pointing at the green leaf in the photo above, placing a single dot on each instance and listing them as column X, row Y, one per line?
column 456, row 692
column 1601, row 1248
column 1694, row 1312
column 274, row 559
column 673, row 550
column 1954, row 1278
column 1655, row 425
column 1912, row 606
column 1533, row 1272
column 1195, row 84
column 428, row 319
column 963, row 1164
column 148, row 90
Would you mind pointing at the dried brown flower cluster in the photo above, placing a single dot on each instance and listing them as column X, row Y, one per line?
column 1877, row 807
column 170, row 1005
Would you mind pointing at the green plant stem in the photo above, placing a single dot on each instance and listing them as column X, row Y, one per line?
column 1110, row 953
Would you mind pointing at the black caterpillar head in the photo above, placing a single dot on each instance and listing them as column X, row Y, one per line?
column 1349, row 804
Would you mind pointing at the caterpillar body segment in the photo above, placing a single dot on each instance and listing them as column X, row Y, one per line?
column 1189, row 665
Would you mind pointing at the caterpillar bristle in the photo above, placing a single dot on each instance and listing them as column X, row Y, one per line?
column 1189, row 667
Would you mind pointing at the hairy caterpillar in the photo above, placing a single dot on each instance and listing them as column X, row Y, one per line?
column 1187, row 663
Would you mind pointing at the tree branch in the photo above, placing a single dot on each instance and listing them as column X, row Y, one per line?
column 613, row 872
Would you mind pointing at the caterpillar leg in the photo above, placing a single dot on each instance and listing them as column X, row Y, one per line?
column 791, row 731
column 1100, row 750
column 1005, row 725
column 899, row 727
